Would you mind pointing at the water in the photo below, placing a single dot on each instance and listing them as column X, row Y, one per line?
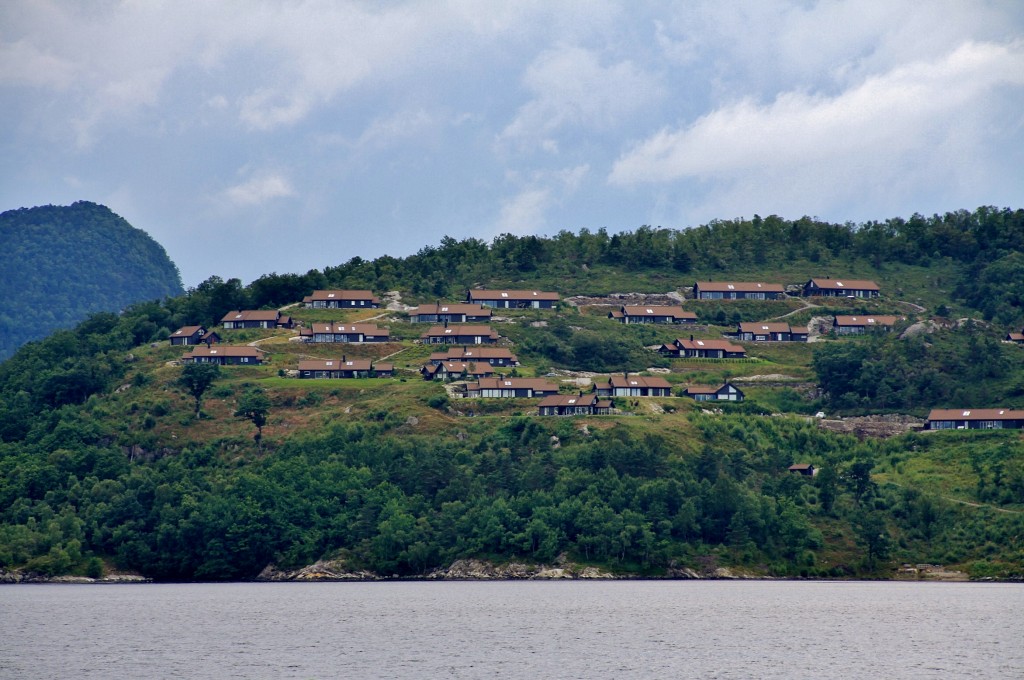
column 651, row 629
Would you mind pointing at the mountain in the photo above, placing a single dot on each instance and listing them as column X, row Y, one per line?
column 110, row 460
column 59, row 264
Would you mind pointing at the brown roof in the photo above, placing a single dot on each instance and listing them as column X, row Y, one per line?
column 225, row 351
column 975, row 414
column 724, row 345
column 471, row 353
column 364, row 328
column 251, row 315
column 765, row 327
column 844, row 284
column 655, row 310
column 328, row 295
column 451, row 308
column 572, row 400
column 440, row 331
column 335, row 365
column 701, row 389
column 866, row 320
column 800, row 466
column 384, row 366
column 186, row 331
column 739, row 287
column 512, row 295
column 536, row 384
column 464, row 367
column 1016, row 337
column 637, row 381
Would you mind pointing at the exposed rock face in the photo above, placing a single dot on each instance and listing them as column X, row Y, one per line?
column 481, row 570
column 873, row 426
column 619, row 299
column 324, row 570
column 30, row 577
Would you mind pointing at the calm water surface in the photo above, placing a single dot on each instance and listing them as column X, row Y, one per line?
column 514, row 630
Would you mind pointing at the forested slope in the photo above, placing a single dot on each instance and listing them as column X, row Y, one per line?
column 59, row 264
column 103, row 462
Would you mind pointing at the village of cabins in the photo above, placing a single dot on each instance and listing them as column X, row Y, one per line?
column 472, row 352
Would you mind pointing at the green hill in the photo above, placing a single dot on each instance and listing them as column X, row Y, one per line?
column 59, row 264
column 103, row 462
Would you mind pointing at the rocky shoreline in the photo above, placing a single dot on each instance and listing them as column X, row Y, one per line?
column 11, row 577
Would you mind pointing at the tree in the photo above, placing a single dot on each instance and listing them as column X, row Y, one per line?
column 196, row 378
column 255, row 406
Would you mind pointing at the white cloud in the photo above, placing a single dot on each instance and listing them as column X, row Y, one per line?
column 259, row 190
column 526, row 212
column 571, row 87
column 883, row 117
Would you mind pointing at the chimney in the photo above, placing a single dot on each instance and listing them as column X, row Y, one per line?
column 343, row 359
column 691, row 338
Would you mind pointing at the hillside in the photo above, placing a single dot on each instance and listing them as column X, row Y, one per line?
column 104, row 463
column 59, row 264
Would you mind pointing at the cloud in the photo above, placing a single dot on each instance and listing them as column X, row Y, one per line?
column 259, row 190
column 571, row 87
column 903, row 111
column 526, row 212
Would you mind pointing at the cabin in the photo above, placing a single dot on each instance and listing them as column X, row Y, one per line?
column 703, row 349
column 841, row 288
column 633, row 386
column 574, row 405
column 805, row 469
column 344, row 368
column 256, row 318
column 511, row 388
column 495, row 356
column 341, row 299
column 225, row 355
column 456, row 370
column 737, row 290
column 726, row 392
column 450, row 313
column 975, row 419
column 770, row 331
column 1015, row 338
column 194, row 335
column 858, row 325
column 350, row 333
column 652, row 314
column 460, row 335
column 513, row 299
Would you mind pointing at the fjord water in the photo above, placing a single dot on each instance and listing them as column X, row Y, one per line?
column 621, row 629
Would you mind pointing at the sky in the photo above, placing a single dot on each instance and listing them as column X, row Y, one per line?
column 259, row 136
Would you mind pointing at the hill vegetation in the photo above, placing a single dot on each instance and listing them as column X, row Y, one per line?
column 109, row 459
column 59, row 264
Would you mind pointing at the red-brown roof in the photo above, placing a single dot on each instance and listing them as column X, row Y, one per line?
column 335, row 365
column 186, row 331
column 866, row 320
column 1015, row 337
column 975, row 414
column 471, row 353
column 512, row 295
column 638, row 381
column 759, row 327
column 572, row 400
column 332, row 295
column 451, row 308
column 225, row 351
column 844, row 284
column 723, row 345
column 657, row 310
column 702, row 389
column 341, row 328
column 442, row 331
column 739, row 287
column 251, row 315
column 536, row 384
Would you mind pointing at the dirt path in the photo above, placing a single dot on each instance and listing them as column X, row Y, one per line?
column 807, row 305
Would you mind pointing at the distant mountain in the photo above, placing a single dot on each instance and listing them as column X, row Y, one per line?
column 58, row 264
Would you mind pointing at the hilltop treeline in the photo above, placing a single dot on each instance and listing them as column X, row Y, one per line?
column 59, row 264
column 984, row 243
